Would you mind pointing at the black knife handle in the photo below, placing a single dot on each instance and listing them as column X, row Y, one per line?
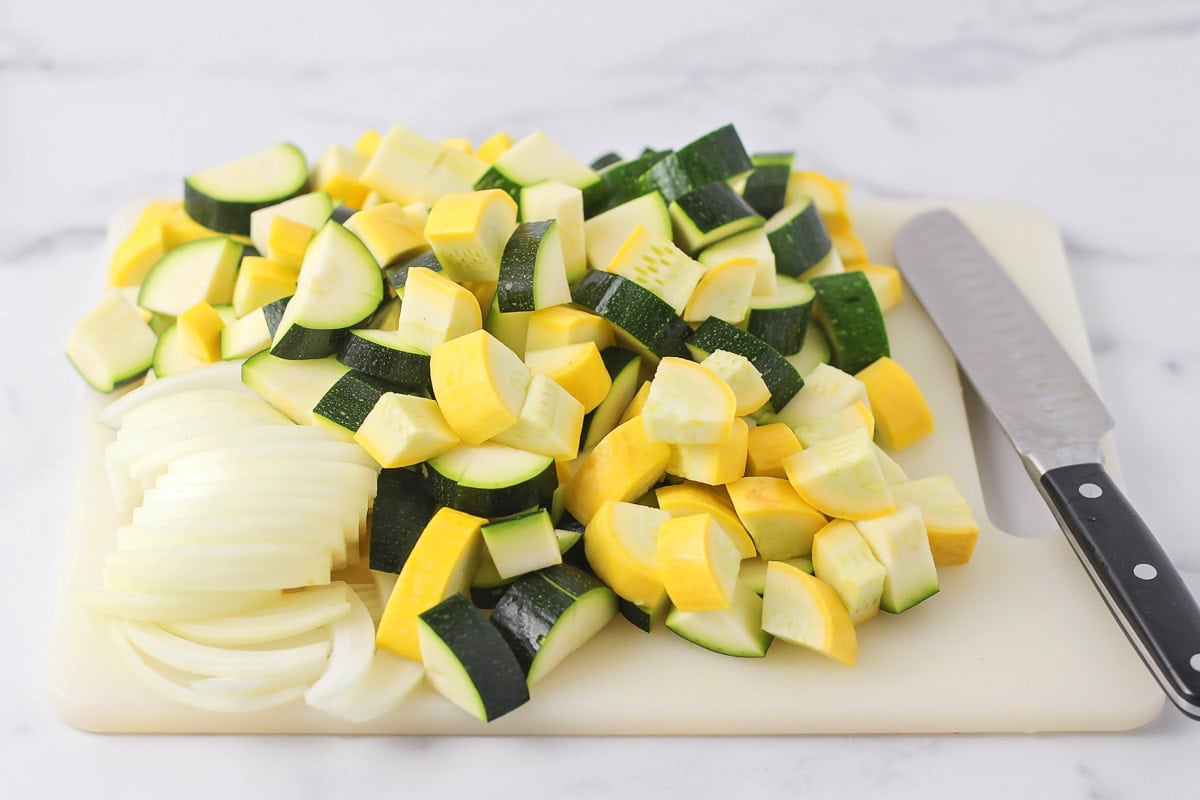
column 1144, row 589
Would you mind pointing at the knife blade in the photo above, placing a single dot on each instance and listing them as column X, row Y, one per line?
column 1055, row 421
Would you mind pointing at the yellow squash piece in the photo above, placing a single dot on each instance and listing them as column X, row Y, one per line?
column 442, row 563
column 698, row 562
column 389, row 232
column 485, row 293
column 841, row 477
column 850, row 248
column 723, row 292
column 658, row 265
column 841, row 422
column 337, row 172
column 826, row 391
column 902, row 416
column 767, row 447
column 689, row 498
column 885, row 282
column 436, row 310
column 468, row 232
column 578, row 368
column 713, row 464
column 401, row 165
column 688, row 404
column 200, row 332
column 367, row 144
column 622, row 467
column 804, row 610
column 778, row 520
column 480, row 384
column 494, row 146
column 403, row 430
column 949, row 522
column 637, row 404
column 893, row 473
column 144, row 245
column 454, row 172
column 558, row 326
column 749, row 389
column 621, row 544
column 261, row 281
column 288, row 240
column 178, row 228
column 842, row 558
column 828, row 194
column 550, row 422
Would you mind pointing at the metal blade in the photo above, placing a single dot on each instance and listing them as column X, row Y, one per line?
column 1044, row 404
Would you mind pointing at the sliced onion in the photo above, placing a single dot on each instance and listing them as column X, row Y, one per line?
column 201, row 659
column 227, row 510
column 317, row 473
column 221, row 375
column 324, row 451
column 202, row 529
column 187, row 405
column 218, row 567
column 131, row 444
column 383, row 687
column 298, row 677
column 295, row 613
column 174, row 606
column 353, row 644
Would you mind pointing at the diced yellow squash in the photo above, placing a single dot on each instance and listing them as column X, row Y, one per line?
column 400, row 167
column 836, row 424
column 144, row 245
column 658, row 265
column 893, row 473
column 622, row 467
column 454, row 172
column 436, row 310
column 804, row 610
column 578, row 368
column 778, row 520
column 849, row 248
column 403, row 430
column 948, row 518
column 337, row 172
column 767, row 447
column 723, row 292
column 389, row 232
column 550, row 422
column 885, row 282
column 749, row 388
column 288, row 240
column 480, row 385
column 418, row 214
column 494, row 146
column 828, row 194
column 374, row 199
column 441, row 563
column 637, row 404
column 367, row 144
column 841, row 477
column 484, row 292
column 621, row 544
column 178, row 228
column 826, row 391
column 698, row 562
column 200, row 332
column 900, row 543
column 713, row 464
column 468, row 232
column 688, row 404
column 558, row 326
column 689, row 498
column 461, row 145
column 902, row 416
column 842, row 558
column 261, row 281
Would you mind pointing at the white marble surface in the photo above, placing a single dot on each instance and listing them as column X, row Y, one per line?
column 1084, row 109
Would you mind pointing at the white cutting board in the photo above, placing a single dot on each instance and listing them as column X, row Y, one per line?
column 1018, row 640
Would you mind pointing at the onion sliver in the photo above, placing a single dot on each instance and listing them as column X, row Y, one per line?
column 346, row 501
column 218, row 567
column 295, row 613
column 332, row 450
column 195, row 402
column 321, row 473
column 353, row 645
column 202, row 659
column 316, row 530
column 379, row 690
column 173, row 606
column 222, row 375
column 228, row 510
column 298, row 677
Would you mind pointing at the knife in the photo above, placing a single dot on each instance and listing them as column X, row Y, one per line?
column 1055, row 421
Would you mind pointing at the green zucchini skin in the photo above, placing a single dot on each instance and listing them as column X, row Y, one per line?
column 481, row 652
column 575, row 555
column 351, row 398
column 716, row 156
column 798, row 238
column 397, row 275
column 392, row 365
column 537, row 490
column 711, row 213
column 226, row 216
column 766, row 188
column 618, row 183
column 273, row 313
column 781, row 377
column 519, row 267
column 782, row 326
column 636, row 311
column 403, row 507
column 606, row 160
column 603, row 418
column 300, row 343
column 847, row 309
column 342, row 214
column 495, row 179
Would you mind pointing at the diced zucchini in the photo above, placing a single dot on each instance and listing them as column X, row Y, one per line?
column 492, row 480
column 885, row 282
column 111, row 344
column 397, row 275
column 766, row 187
column 386, row 355
column 533, row 274
column 606, row 232
column 848, row 311
column 349, row 401
column 659, row 266
column 900, row 543
column 535, row 159
column 716, row 156
column 223, row 197
column 201, row 270
column 709, row 214
column 293, row 387
column 402, row 509
column 644, row 321
column 563, row 204
column 798, row 238
column 814, row 353
column 522, row 544
column 311, row 210
column 781, row 319
column 617, row 183
column 511, row 328
column 624, row 372
column 780, row 376
column 733, row 631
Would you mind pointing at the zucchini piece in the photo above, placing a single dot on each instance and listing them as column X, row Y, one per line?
column 900, row 543
column 246, row 336
column 751, row 244
column 885, row 282
column 716, row 156
column 814, row 353
column 522, row 544
column 223, row 197
column 766, row 187
column 645, row 618
column 804, row 610
column 535, row 159
column 624, row 370
column 203, row 270
column 605, row 160
column 849, row 313
column 492, row 480
column 342, row 214
column 646, row 323
column 533, row 274
column 842, row 558
column 709, row 214
column 170, row 355
column 311, row 210
column 547, row 615
column 349, row 400
column 386, row 355
column 563, row 204
column 293, row 387
column 798, row 238
column 468, row 232
column 111, row 344
column 781, row 319
column 468, row 662
column 618, row 183
column 723, row 292
column 273, row 313
column 549, row 423
column 511, row 328
column 401, row 430
column 339, row 287
column 732, row 631
column 780, row 376
column 606, row 232
column 397, row 275
column 402, row 509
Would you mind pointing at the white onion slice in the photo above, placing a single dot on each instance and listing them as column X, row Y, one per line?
column 218, row 567
column 221, row 375
column 202, row 659
column 228, row 509
column 295, row 613
column 187, row 405
column 319, row 473
column 130, row 444
column 383, row 687
column 201, row 529
column 298, row 677
column 353, row 645
column 331, row 450
column 171, row 606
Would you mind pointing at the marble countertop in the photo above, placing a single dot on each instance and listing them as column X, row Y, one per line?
column 1084, row 109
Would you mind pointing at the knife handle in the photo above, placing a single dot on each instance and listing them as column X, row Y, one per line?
column 1142, row 587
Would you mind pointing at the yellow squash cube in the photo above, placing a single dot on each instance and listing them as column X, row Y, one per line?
column 337, row 172
column 578, row 368
column 550, row 422
column 767, row 447
column 902, row 417
column 403, row 430
column 389, row 232
column 367, row 144
column 468, row 232
column 558, row 326
column 713, row 464
column 261, row 281
column 842, row 477
column 401, row 165
column 144, row 245
column 200, row 332
column 436, row 310
column 621, row 543
column 689, row 497
column 494, row 146
column 804, row 610
column 780, row 522
column 698, row 562
column 622, row 467
column 480, row 385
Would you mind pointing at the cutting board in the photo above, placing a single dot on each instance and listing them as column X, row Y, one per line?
column 1017, row 640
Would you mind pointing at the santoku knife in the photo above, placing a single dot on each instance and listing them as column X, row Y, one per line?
column 1055, row 421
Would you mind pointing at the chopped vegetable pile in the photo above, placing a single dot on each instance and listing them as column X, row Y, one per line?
column 429, row 410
